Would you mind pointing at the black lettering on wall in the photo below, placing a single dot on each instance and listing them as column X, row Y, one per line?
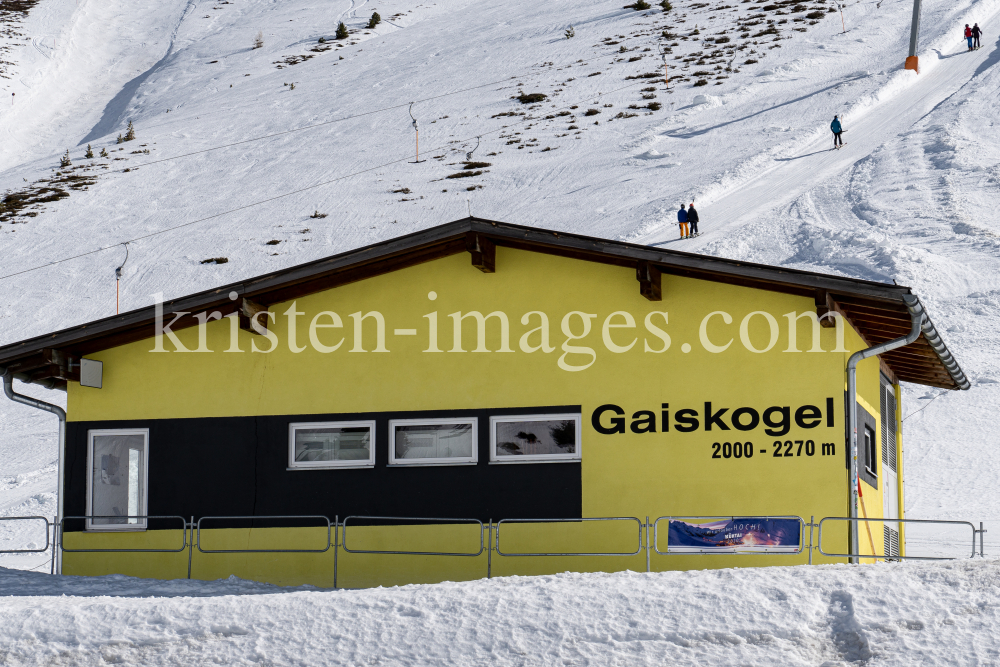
column 714, row 418
column 643, row 421
column 781, row 426
column 738, row 419
column 808, row 416
column 617, row 423
column 687, row 420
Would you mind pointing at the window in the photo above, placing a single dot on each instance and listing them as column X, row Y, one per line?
column 433, row 441
column 116, row 486
column 331, row 445
column 868, row 449
column 869, row 453
column 534, row 438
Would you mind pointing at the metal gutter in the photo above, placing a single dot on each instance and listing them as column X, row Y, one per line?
column 8, row 389
column 937, row 344
column 919, row 323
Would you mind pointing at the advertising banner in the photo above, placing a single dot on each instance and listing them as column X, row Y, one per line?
column 736, row 535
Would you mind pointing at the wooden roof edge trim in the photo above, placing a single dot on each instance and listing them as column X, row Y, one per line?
column 354, row 258
column 250, row 288
column 704, row 263
column 316, row 270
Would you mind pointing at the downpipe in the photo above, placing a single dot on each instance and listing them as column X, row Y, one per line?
column 917, row 319
column 8, row 389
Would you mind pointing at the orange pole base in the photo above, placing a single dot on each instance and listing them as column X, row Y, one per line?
column 911, row 63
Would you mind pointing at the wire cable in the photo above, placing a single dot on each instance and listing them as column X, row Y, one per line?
column 315, row 125
column 640, row 82
column 924, row 406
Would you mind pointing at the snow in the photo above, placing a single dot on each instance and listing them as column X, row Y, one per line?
column 911, row 198
column 824, row 615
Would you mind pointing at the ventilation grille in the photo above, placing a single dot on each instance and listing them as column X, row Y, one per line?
column 887, row 408
column 891, row 541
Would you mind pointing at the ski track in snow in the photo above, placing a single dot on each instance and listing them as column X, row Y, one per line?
column 912, row 197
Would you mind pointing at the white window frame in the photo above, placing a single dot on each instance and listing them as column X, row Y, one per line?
column 330, row 465
column 140, row 525
column 536, row 458
column 872, row 450
column 442, row 421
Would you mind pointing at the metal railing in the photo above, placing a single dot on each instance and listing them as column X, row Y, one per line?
column 772, row 551
column 62, row 530
column 48, row 542
column 271, row 517
column 193, row 528
column 819, row 546
column 418, row 521
column 638, row 550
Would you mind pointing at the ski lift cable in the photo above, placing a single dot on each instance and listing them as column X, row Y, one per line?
column 315, row 125
column 300, row 190
column 328, row 122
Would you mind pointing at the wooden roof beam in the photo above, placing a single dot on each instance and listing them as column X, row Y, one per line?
column 249, row 309
column 650, row 280
column 483, row 251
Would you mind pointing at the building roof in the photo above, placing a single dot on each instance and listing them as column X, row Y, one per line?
column 877, row 311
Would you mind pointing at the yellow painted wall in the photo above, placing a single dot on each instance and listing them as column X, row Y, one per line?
column 623, row 475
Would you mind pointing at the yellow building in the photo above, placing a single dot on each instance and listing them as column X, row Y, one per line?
column 485, row 371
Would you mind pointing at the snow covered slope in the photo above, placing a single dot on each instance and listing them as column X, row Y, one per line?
column 825, row 615
column 912, row 196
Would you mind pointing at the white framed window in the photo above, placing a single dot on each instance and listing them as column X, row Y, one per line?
column 331, row 445
column 433, row 441
column 535, row 438
column 869, row 453
column 116, row 485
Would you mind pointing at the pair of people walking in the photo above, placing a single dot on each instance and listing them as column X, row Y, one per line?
column 972, row 36
column 686, row 217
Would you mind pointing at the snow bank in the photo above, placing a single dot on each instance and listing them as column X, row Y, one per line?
column 826, row 615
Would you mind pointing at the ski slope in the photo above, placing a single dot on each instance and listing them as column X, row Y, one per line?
column 828, row 615
column 243, row 160
column 907, row 99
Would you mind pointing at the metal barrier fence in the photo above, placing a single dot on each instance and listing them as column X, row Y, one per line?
column 819, row 547
column 191, row 537
column 48, row 525
column 88, row 519
column 418, row 521
column 637, row 551
column 271, row 517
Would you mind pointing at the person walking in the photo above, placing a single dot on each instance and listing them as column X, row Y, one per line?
column 693, row 219
column 682, row 219
column 968, row 35
column 836, row 128
column 976, row 34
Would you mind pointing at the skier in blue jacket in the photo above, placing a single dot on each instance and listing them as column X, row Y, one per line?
column 836, row 129
column 682, row 219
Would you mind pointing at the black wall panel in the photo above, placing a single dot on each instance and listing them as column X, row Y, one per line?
column 238, row 466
